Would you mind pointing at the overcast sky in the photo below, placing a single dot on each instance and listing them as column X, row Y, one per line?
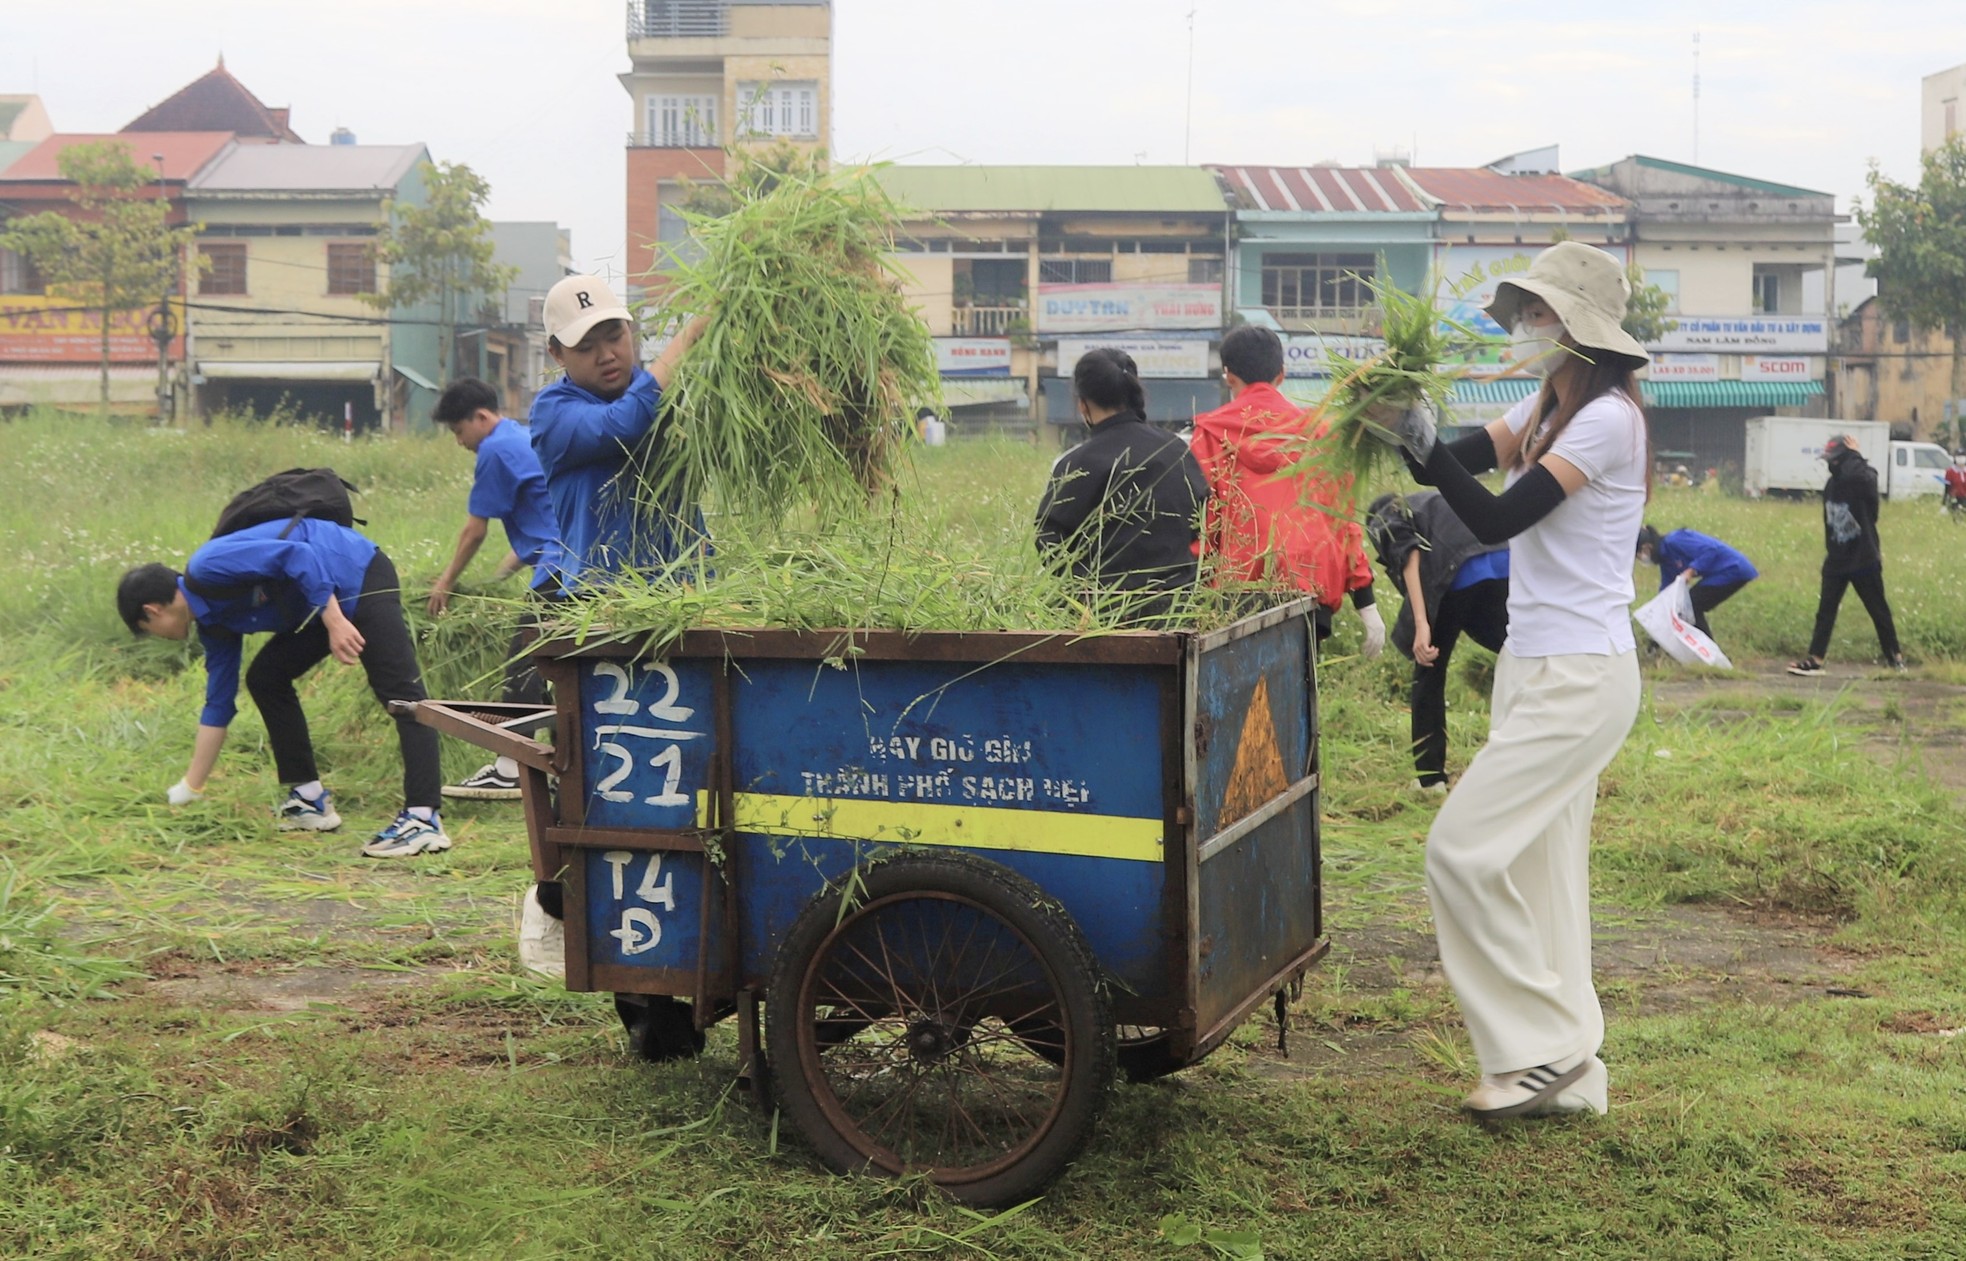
column 525, row 91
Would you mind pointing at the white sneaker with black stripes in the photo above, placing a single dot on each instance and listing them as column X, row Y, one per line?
column 1577, row 1085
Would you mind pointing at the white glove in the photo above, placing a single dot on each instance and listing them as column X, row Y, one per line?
column 183, row 794
column 1413, row 428
column 1375, row 631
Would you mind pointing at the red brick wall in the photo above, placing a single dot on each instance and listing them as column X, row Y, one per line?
column 647, row 168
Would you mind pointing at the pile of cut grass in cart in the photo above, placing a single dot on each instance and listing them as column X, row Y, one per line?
column 803, row 386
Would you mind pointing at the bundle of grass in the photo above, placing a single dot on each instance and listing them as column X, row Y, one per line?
column 1419, row 363
column 804, row 382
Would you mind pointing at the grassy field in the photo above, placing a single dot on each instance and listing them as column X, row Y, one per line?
column 218, row 1042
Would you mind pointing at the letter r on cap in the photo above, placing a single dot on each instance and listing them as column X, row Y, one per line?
column 585, row 301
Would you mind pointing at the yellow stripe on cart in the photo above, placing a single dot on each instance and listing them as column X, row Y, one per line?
column 967, row 826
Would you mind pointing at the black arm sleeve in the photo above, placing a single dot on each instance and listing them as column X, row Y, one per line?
column 1363, row 598
column 1475, row 452
column 1494, row 518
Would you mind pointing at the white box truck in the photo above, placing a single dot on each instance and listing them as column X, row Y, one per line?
column 1783, row 457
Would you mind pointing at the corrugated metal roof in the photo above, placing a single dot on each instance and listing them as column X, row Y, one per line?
column 263, row 168
column 1169, row 189
column 185, row 153
column 1320, row 189
column 1480, row 190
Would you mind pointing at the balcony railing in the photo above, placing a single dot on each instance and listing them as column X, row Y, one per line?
column 677, row 19
column 1326, row 319
column 987, row 321
column 671, row 140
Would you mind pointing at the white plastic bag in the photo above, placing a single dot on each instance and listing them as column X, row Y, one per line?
column 1668, row 619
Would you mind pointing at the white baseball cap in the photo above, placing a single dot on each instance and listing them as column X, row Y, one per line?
column 576, row 304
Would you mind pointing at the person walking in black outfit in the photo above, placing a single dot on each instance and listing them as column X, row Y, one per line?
column 1854, row 557
column 1123, row 508
column 1453, row 584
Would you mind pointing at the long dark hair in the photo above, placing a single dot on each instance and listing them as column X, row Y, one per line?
column 1109, row 380
column 1600, row 374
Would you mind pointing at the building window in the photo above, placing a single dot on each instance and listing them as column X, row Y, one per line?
column 225, row 273
column 1307, row 284
column 990, row 283
column 1204, row 271
column 351, row 269
column 1767, row 292
column 682, row 122
column 1901, row 331
column 789, row 110
column 17, row 274
column 1075, row 271
column 1666, row 282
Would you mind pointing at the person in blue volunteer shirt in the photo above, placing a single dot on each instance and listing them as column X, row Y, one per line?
column 1715, row 570
column 587, row 429
column 322, row 590
column 507, row 484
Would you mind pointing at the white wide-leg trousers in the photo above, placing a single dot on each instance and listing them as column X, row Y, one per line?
column 1508, row 859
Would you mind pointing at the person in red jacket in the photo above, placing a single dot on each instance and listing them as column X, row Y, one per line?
column 1268, row 521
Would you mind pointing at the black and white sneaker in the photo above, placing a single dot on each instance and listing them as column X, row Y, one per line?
column 1531, row 1092
column 485, row 784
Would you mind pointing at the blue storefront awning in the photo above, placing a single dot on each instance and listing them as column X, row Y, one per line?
column 1730, row 393
column 1505, row 390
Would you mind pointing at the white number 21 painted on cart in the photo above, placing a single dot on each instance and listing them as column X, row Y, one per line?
column 627, row 743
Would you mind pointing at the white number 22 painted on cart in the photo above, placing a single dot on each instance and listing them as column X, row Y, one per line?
column 626, row 742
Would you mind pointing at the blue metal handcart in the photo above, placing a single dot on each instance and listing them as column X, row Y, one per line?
column 967, row 876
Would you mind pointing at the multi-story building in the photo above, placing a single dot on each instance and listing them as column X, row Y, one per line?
column 1749, row 266
column 516, row 359
column 1019, row 270
column 51, row 346
column 1883, row 368
column 1941, row 115
column 708, row 75
column 277, row 318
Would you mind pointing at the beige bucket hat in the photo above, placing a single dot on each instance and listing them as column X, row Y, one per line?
column 1587, row 289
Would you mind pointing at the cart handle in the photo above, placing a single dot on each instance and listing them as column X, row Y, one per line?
column 496, row 727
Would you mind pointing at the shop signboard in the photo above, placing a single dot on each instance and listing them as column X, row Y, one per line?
column 38, row 328
column 972, row 356
column 1310, row 354
column 1684, row 368
column 1747, row 334
column 1154, row 356
column 1127, row 307
column 1779, row 368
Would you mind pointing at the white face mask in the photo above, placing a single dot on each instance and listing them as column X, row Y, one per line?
column 1533, row 348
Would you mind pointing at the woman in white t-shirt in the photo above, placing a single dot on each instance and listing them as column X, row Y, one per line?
column 1508, row 866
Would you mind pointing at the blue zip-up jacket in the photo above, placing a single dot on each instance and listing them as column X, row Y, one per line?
column 269, row 584
column 1708, row 557
column 584, row 443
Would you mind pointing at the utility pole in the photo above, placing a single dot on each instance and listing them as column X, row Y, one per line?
column 163, row 321
column 1696, row 98
column 1188, row 116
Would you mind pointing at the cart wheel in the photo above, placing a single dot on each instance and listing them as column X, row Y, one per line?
column 901, row 1023
column 659, row 1028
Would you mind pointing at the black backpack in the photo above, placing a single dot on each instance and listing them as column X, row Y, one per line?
column 320, row 493
column 299, row 492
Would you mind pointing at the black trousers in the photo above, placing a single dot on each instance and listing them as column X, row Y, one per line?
column 1870, row 589
column 1708, row 596
column 1481, row 612
column 389, row 660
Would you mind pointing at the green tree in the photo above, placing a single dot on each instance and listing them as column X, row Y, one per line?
column 116, row 251
column 1920, row 235
column 1645, row 314
column 442, row 252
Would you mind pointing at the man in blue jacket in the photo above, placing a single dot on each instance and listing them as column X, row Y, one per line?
column 321, row 589
column 508, row 484
column 1716, row 570
column 588, row 429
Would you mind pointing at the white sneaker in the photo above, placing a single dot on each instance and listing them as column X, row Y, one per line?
column 1539, row 1091
column 542, row 939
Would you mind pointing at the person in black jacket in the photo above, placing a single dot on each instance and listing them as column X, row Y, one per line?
column 1453, row 584
column 1853, row 557
column 1123, row 508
